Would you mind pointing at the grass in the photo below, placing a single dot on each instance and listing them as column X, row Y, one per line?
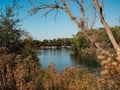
column 18, row 73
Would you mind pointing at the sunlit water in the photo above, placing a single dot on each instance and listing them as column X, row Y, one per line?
column 62, row 58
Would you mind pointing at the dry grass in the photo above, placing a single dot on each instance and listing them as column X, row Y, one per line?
column 17, row 73
column 110, row 75
column 69, row 79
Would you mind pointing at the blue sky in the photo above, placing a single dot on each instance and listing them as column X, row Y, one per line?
column 61, row 26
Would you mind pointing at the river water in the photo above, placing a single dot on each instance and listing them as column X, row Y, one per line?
column 62, row 58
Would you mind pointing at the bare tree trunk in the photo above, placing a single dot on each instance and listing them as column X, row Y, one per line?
column 80, row 23
column 83, row 29
column 108, row 30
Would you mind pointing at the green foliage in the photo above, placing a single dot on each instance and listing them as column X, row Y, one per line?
column 116, row 33
column 56, row 42
column 102, row 36
column 52, row 42
column 10, row 33
column 45, row 42
column 12, row 37
column 29, row 46
column 80, row 43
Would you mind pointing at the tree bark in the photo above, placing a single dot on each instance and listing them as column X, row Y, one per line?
column 83, row 29
column 107, row 27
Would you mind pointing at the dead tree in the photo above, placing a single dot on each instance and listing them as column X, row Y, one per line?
column 110, row 62
column 81, row 23
column 106, row 26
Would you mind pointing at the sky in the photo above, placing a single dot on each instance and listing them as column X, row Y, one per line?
column 51, row 27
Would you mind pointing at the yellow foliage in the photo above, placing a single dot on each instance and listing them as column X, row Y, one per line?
column 100, row 57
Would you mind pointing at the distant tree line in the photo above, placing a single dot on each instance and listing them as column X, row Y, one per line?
column 55, row 42
column 79, row 43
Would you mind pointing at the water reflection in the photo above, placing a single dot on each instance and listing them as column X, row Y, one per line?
column 84, row 61
column 60, row 58
column 63, row 58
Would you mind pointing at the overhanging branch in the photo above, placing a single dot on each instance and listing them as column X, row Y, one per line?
column 49, row 7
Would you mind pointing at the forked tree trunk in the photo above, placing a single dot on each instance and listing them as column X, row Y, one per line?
column 80, row 23
column 83, row 29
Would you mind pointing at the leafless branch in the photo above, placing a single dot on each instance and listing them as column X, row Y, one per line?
column 55, row 6
column 50, row 8
column 81, row 10
column 46, row 13
column 70, row 14
column 81, row 6
column 107, row 27
column 94, row 19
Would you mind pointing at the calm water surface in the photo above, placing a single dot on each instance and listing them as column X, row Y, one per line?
column 63, row 58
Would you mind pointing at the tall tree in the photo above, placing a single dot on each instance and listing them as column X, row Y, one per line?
column 64, row 5
column 10, row 32
column 107, row 27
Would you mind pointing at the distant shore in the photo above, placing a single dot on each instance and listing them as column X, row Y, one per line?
column 54, row 47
